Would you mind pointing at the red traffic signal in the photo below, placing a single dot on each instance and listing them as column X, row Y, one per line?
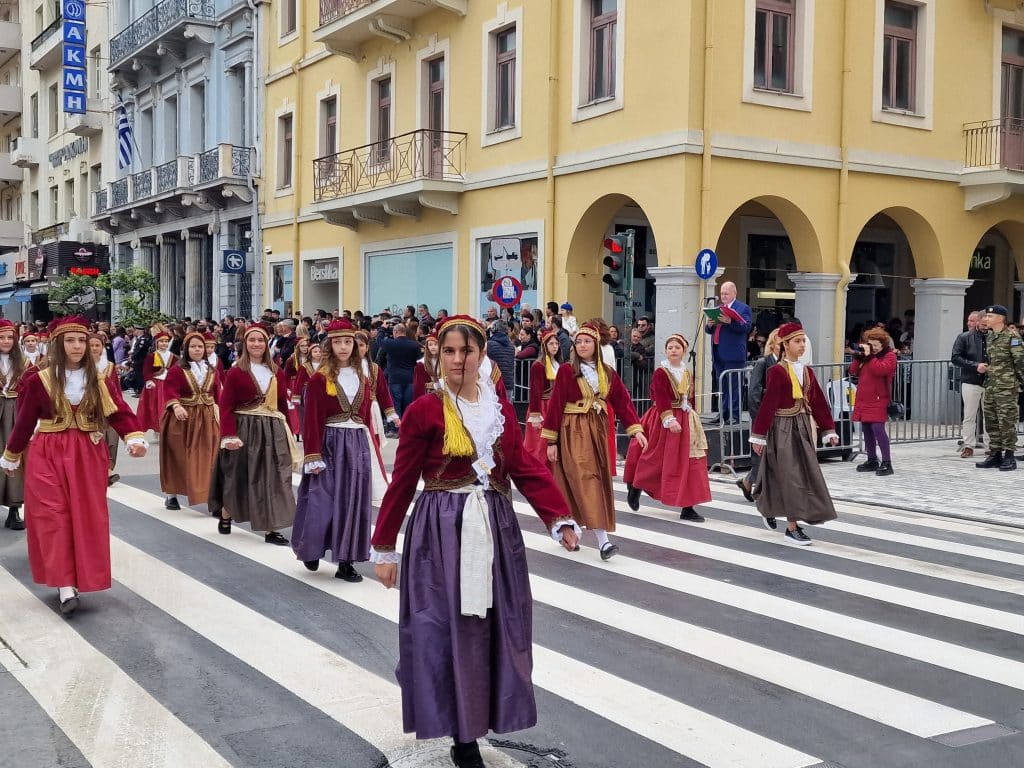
column 613, row 244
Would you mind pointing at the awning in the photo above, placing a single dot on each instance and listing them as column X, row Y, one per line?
column 23, row 294
column 5, row 297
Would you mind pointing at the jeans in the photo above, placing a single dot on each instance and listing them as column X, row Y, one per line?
column 401, row 394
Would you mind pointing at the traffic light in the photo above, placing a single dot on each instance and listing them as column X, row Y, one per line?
column 617, row 264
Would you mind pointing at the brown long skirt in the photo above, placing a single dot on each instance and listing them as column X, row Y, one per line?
column 254, row 483
column 791, row 483
column 583, row 470
column 12, row 489
column 187, row 452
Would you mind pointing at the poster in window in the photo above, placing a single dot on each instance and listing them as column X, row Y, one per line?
column 514, row 256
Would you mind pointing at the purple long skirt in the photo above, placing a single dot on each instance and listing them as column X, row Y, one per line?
column 463, row 676
column 334, row 509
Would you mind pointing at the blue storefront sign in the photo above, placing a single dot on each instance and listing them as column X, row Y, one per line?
column 73, row 71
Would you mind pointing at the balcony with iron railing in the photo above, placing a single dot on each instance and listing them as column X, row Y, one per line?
column 397, row 177
column 993, row 161
column 168, row 23
column 345, row 25
column 45, row 48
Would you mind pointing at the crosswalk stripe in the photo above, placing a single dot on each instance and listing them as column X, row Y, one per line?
column 705, row 738
column 109, row 717
column 846, row 552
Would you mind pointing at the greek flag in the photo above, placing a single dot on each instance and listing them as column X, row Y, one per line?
column 125, row 138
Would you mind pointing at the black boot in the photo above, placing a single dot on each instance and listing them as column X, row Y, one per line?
column 467, row 755
column 884, row 469
column 1009, row 462
column 994, row 460
column 868, row 466
column 346, row 572
column 172, row 503
column 13, row 521
column 691, row 515
column 633, row 497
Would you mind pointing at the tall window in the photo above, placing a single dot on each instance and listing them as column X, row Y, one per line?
column 774, row 45
column 285, row 143
column 1013, row 74
column 899, row 56
column 288, row 16
column 329, row 126
column 505, row 79
column 54, row 204
column 34, row 210
column 34, row 115
column 603, row 16
column 53, row 109
column 382, row 112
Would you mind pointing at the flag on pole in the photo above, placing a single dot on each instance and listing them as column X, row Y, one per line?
column 125, row 138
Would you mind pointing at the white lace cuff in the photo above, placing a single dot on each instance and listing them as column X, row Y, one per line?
column 758, row 440
column 8, row 464
column 667, row 422
column 311, row 465
column 827, row 435
column 385, row 558
column 556, row 529
column 225, row 440
column 536, row 419
column 393, row 418
column 137, row 441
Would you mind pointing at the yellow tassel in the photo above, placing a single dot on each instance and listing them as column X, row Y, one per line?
column 456, row 439
column 549, row 369
column 157, row 360
column 332, row 387
column 798, row 391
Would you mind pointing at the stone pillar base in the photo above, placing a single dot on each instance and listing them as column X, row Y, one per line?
column 816, row 308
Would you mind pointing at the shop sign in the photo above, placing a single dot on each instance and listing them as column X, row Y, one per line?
column 21, row 268
column 73, row 71
column 323, row 272
column 69, row 151
column 85, row 271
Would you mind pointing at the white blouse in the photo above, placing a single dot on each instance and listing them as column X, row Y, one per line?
column 348, row 382
column 263, row 376
column 199, row 369
column 589, row 371
column 74, row 386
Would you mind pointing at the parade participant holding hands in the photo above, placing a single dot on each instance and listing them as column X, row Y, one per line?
column 190, row 431
column 153, row 399
column 542, row 382
column 12, row 371
column 791, row 484
column 108, row 372
column 67, row 406
column 673, row 469
column 341, row 470
column 465, row 621
column 576, row 429
column 252, row 476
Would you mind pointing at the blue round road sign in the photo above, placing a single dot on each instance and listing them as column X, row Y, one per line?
column 706, row 264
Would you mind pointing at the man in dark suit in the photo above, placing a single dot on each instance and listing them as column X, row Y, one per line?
column 729, row 349
column 141, row 346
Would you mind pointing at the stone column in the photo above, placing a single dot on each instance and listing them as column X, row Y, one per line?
column 167, row 275
column 938, row 320
column 193, row 273
column 816, row 308
column 1018, row 288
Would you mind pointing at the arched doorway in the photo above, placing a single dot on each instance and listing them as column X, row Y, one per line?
column 996, row 268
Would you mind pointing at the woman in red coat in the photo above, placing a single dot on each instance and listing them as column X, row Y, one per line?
column 674, row 468
column 875, row 365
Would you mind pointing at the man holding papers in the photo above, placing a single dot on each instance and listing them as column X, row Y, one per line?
column 728, row 325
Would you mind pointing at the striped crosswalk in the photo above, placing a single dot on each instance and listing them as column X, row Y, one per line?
column 894, row 641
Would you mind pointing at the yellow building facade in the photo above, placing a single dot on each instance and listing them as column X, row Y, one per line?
column 847, row 160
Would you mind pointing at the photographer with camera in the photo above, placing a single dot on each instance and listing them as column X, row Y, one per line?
column 875, row 365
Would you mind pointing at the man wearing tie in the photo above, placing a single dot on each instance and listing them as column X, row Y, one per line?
column 729, row 348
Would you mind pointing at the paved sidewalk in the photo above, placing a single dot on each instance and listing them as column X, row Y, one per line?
column 932, row 478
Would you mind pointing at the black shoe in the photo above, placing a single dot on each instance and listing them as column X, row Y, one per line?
column 884, row 469
column 633, row 497
column 1009, row 462
column 224, row 525
column 797, row 537
column 608, row 551
column 14, row 522
column 748, row 490
column 275, row 538
column 311, row 565
column 347, row 573
column 868, row 466
column 690, row 515
column 172, row 503
column 467, row 755
column 69, row 606
column 994, row 460
column 113, row 479
column 770, row 523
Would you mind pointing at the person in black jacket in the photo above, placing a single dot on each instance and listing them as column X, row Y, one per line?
column 398, row 357
column 969, row 357
column 755, row 393
column 503, row 354
column 141, row 346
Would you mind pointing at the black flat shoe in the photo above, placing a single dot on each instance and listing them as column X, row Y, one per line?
column 691, row 515
column 113, row 479
column 747, row 491
column 69, row 606
column 347, row 573
column 467, row 755
column 311, row 565
column 633, row 497
column 14, row 522
column 275, row 538
column 608, row 551
column 224, row 525
column 172, row 503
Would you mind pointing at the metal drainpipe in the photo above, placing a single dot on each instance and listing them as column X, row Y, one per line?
column 844, row 183
column 549, row 238
column 705, row 172
column 298, row 164
column 256, row 240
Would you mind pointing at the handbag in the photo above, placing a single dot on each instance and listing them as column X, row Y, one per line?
column 896, row 410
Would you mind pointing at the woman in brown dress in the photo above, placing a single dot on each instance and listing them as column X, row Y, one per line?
column 189, row 430
column 576, row 429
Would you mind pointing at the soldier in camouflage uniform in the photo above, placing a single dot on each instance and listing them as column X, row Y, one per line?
column 1005, row 361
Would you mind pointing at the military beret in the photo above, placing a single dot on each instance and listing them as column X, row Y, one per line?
column 997, row 309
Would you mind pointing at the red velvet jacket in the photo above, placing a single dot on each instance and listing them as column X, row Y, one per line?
column 240, row 391
column 420, row 455
column 322, row 407
column 874, row 388
column 778, row 396
column 34, row 403
column 302, row 377
column 573, row 392
column 421, row 378
column 149, row 370
column 181, row 387
column 540, row 388
column 664, row 396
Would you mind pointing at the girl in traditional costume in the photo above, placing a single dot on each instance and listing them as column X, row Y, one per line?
column 154, row 372
column 190, row 431
column 12, row 373
column 108, row 372
column 790, row 482
column 340, row 469
column 34, row 356
column 252, row 476
column 426, row 373
column 542, row 382
column 576, row 430
column 304, row 373
column 67, row 464
column 673, row 469
column 210, row 345
column 382, row 406
column 465, row 616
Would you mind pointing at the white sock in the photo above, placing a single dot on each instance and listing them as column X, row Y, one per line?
column 602, row 537
column 66, row 593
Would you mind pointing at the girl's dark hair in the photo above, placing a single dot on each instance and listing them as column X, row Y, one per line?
column 183, row 359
